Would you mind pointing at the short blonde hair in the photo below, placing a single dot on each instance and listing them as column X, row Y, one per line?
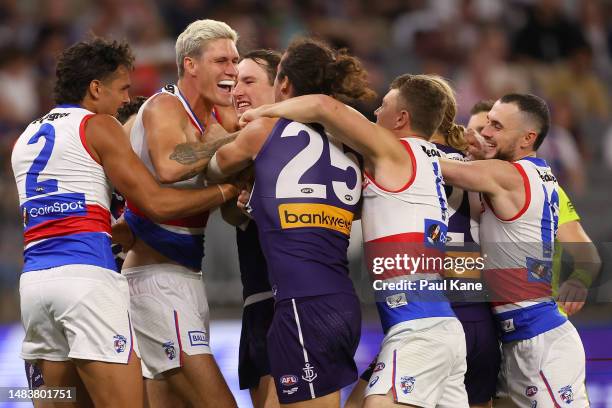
column 197, row 34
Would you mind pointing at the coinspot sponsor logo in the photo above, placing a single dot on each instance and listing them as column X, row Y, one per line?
column 304, row 215
column 56, row 208
column 52, row 207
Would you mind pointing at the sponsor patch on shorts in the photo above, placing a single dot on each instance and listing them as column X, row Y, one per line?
column 198, row 338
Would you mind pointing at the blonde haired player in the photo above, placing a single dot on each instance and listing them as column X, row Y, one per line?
column 163, row 267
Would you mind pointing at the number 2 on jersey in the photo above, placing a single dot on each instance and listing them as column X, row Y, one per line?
column 33, row 186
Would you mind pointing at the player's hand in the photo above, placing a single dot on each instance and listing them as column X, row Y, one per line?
column 572, row 295
column 251, row 115
column 242, row 202
column 476, row 149
column 122, row 235
column 214, row 131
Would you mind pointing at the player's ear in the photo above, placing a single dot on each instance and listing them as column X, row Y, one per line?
column 95, row 89
column 189, row 65
column 285, row 86
column 402, row 120
column 529, row 138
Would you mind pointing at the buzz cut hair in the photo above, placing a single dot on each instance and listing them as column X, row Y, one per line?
column 198, row 34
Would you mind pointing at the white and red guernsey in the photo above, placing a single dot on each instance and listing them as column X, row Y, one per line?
column 181, row 240
column 519, row 252
column 412, row 220
column 64, row 194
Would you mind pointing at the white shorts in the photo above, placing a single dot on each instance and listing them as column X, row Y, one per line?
column 423, row 363
column 170, row 315
column 545, row 371
column 76, row 312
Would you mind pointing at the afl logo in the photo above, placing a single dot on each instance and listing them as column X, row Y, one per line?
column 307, row 190
column 288, row 380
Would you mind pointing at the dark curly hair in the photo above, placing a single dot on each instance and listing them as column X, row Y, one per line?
column 128, row 109
column 313, row 67
column 86, row 61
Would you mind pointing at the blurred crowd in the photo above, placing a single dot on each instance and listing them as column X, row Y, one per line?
column 558, row 49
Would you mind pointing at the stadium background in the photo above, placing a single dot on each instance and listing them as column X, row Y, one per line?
column 559, row 49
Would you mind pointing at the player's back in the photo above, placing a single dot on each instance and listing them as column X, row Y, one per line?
column 307, row 189
column 64, row 194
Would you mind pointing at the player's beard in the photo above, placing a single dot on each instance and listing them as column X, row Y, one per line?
column 506, row 154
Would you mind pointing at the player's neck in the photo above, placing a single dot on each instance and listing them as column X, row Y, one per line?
column 522, row 155
column 438, row 138
column 200, row 107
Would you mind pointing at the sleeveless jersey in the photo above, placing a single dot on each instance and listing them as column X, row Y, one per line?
column 307, row 189
column 412, row 220
column 64, row 194
column 181, row 240
column 519, row 253
column 462, row 242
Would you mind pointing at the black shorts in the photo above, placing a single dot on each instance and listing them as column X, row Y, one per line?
column 253, row 360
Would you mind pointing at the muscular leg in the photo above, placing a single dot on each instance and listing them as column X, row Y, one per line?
column 329, row 401
column 113, row 384
column 383, row 401
column 63, row 374
column 159, row 394
column 200, row 382
column 264, row 394
column 356, row 399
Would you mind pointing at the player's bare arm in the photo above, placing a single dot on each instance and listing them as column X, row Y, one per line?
column 191, row 153
column 500, row 180
column 239, row 154
column 385, row 158
column 110, row 147
column 587, row 264
column 168, row 126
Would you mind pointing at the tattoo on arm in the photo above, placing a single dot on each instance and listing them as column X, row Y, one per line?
column 192, row 152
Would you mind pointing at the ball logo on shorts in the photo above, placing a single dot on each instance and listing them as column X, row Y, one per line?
column 169, row 350
column 531, row 391
column 407, row 384
column 567, row 395
column 288, row 380
column 379, row 367
column 119, row 343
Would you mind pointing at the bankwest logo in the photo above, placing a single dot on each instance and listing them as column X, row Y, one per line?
column 315, row 215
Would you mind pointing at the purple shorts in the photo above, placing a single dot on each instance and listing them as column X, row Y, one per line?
column 34, row 376
column 311, row 344
column 253, row 355
column 483, row 351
